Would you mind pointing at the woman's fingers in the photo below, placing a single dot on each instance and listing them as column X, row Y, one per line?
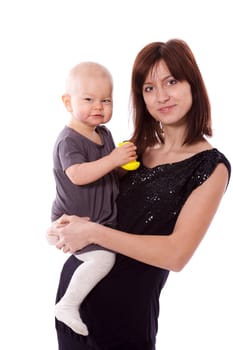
column 64, row 219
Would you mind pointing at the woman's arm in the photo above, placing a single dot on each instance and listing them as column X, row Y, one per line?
column 171, row 252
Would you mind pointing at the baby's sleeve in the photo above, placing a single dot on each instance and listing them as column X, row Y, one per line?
column 70, row 153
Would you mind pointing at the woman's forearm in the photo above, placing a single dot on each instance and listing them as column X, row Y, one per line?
column 153, row 250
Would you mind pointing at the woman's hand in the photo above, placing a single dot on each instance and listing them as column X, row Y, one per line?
column 70, row 232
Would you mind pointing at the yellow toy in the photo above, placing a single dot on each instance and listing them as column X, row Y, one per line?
column 133, row 165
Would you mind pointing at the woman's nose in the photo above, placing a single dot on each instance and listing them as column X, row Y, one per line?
column 162, row 94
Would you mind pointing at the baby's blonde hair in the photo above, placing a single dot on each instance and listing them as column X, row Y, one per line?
column 92, row 68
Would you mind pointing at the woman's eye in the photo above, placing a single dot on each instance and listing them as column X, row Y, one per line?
column 171, row 82
column 148, row 88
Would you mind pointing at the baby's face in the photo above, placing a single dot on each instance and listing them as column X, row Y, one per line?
column 91, row 100
column 89, row 97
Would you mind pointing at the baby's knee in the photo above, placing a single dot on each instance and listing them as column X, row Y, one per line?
column 105, row 261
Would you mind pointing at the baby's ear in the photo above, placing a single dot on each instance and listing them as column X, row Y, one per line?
column 67, row 102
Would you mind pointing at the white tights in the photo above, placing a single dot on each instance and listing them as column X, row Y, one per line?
column 96, row 264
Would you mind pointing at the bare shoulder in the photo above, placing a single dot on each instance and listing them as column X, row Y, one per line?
column 200, row 146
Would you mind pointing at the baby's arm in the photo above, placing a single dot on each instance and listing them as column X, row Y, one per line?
column 88, row 172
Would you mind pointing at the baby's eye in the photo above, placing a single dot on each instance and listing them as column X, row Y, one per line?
column 107, row 101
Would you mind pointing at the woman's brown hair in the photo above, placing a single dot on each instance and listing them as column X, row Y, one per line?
column 182, row 65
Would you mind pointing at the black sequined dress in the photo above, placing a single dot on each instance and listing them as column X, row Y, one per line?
column 122, row 310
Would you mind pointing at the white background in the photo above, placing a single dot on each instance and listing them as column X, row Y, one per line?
column 40, row 41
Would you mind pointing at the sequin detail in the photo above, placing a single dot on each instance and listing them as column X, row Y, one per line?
column 155, row 196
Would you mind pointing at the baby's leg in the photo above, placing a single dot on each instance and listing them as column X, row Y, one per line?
column 96, row 264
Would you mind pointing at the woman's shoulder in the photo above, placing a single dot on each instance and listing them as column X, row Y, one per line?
column 203, row 164
column 212, row 157
column 206, row 157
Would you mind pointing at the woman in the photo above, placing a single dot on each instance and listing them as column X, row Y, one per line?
column 164, row 208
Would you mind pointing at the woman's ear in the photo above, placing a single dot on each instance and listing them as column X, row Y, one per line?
column 67, row 102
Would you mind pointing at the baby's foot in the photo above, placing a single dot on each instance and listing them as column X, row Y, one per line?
column 69, row 315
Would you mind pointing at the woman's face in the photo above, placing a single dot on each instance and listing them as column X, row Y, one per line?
column 167, row 99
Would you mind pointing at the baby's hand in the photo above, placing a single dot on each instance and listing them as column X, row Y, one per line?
column 123, row 154
column 131, row 164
